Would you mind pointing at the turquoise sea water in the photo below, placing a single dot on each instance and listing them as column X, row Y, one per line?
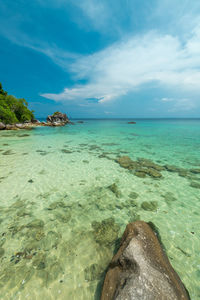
column 65, row 201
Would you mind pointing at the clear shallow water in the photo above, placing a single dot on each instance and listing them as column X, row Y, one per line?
column 54, row 187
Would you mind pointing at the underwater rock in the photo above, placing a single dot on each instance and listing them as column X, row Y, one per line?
column 133, row 195
column 140, row 174
column 57, row 204
column 132, row 122
column 183, row 173
column 169, row 198
column 105, row 232
column 151, row 205
column 23, row 135
column 127, row 163
column 8, row 152
column 133, row 216
column 113, row 188
column 150, row 164
column 93, row 272
column 63, row 217
column 195, row 171
column 195, row 185
column 141, row 270
column 2, row 251
column 66, row 151
column 35, row 223
column 30, row 181
column 80, row 122
column 170, row 168
column 51, row 240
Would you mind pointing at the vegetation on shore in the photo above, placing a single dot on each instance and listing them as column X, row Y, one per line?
column 13, row 110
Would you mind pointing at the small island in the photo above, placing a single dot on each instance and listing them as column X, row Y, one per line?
column 14, row 114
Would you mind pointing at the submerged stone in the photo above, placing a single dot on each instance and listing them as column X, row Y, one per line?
column 63, row 217
column 105, row 232
column 93, row 272
column 66, row 151
column 195, row 171
column 51, row 240
column 169, row 198
column 113, row 188
column 195, row 185
column 151, row 205
column 57, row 204
column 126, row 162
column 133, row 195
column 2, row 251
column 140, row 174
column 35, row 223
column 8, row 152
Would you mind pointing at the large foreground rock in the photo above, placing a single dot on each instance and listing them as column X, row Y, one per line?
column 141, row 270
column 57, row 119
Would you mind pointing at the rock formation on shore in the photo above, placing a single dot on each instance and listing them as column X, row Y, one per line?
column 141, row 270
column 57, row 119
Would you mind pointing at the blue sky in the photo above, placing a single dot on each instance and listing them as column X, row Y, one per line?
column 103, row 58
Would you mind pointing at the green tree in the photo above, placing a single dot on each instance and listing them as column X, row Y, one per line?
column 13, row 110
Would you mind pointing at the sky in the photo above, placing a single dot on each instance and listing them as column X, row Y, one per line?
column 102, row 58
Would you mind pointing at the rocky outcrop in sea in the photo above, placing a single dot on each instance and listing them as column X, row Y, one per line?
column 141, row 270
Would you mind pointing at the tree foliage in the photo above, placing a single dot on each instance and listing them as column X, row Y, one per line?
column 13, row 110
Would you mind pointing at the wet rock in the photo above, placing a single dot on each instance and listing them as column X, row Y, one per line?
column 2, row 126
column 113, row 188
column 10, row 127
column 141, row 270
column 131, row 122
column 93, row 272
column 105, row 232
column 195, row 185
column 133, row 195
column 151, row 205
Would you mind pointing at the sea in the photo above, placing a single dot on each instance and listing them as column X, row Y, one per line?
column 65, row 201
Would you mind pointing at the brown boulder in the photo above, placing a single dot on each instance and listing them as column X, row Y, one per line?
column 141, row 270
column 2, row 126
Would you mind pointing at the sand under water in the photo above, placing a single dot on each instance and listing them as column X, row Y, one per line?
column 66, row 198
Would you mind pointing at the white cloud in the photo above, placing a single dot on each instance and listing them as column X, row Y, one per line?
column 128, row 65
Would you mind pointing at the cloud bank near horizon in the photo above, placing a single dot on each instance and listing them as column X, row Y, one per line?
column 128, row 65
